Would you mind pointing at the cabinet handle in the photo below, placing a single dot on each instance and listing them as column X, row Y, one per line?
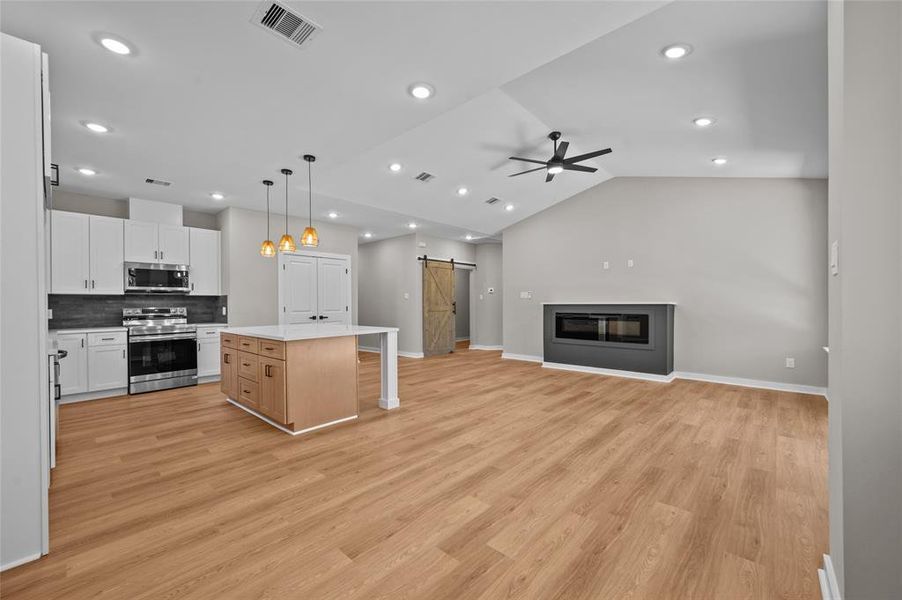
column 155, row 254
column 92, row 284
column 123, row 353
column 198, row 346
column 82, row 342
column 312, row 317
column 192, row 287
column 107, row 339
column 86, row 284
column 225, row 359
column 246, row 364
column 161, row 255
column 323, row 317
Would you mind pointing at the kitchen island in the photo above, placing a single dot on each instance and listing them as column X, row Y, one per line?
column 301, row 378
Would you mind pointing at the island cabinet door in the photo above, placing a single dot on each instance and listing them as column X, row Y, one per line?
column 272, row 388
column 228, row 367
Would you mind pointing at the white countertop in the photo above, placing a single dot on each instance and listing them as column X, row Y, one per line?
column 89, row 329
column 291, row 333
column 612, row 302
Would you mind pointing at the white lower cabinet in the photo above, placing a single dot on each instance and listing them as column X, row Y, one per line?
column 208, row 351
column 107, row 368
column 73, row 368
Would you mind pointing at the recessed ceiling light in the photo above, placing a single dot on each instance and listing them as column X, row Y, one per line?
column 87, row 171
column 115, row 46
column 97, row 127
column 421, row 91
column 412, row 225
column 720, row 160
column 468, row 237
column 704, row 121
column 217, row 196
column 367, row 235
column 462, row 191
column 675, row 51
column 509, row 207
column 394, row 167
column 333, row 215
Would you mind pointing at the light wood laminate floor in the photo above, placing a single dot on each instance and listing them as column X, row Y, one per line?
column 495, row 479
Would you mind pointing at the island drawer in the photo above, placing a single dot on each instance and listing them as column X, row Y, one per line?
column 247, row 392
column 247, row 365
column 272, row 349
column 248, row 344
column 229, row 340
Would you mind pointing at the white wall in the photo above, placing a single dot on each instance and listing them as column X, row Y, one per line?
column 865, row 388
column 116, row 207
column 486, row 329
column 387, row 272
column 251, row 280
column 743, row 259
column 23, row 305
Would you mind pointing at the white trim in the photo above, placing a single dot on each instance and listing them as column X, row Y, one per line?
column 84, row 397
column 481, row 347
column 613, row 372
column 754, row 383
column 20, row 561
column 282, row 427
column 389, row 403
column 209, row 379
column 466, row 338
column 368, row 349
column 825, row 589
column 410, row 354
column 830, row 576
column 525, row 357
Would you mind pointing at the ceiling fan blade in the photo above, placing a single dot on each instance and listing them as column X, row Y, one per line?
column 538, row 162
column 561, row 150
column 582, row 157
column 529, row 171
column 549, row 177
column 579, row 168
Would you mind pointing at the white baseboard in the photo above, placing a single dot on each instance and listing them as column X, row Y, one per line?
column 20, row 561
column 753, row 383
column 208, row 379
column 827, row 579
column 462, row 339
column 73, row 398
column 613, row 372
column 525, row 357
column 400, row 352
column 481, row 347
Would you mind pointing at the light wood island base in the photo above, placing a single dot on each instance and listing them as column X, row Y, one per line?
column 305, row 381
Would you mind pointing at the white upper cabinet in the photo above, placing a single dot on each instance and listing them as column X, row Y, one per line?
column 86, row 254
column 173, row 244
column 204, row 273
column 106, row 255
column 141, row 242
column 69, row 267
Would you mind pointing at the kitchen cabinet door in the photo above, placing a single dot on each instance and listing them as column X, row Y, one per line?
column 73, row 368
column 204, row 261
column 174, row 245
column 106, row 255
column 208, row 357
column 228, row 378
column 141, row 243
column 69, row 256
column 271, row 388
column 333, row 284
column 107, row 368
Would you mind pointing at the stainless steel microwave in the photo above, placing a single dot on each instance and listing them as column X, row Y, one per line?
column 154, row 278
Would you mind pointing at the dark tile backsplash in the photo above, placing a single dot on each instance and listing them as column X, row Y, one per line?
column 71, row 311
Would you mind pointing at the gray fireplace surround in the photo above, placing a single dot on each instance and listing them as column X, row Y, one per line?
column 624, row 337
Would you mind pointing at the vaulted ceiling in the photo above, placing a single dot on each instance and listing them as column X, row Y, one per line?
column 211, row 102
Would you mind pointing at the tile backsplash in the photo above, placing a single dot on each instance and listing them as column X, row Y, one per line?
column 72, row 311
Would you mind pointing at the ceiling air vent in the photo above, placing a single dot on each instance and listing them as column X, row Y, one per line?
column 424, row 177
column 158, row 182
column 492, row 200
column 284, row 23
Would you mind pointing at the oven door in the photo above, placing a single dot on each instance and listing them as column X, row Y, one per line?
column 162, row 356
column 156, row 278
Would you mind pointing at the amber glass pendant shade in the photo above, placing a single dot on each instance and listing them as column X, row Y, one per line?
column 310, row 239
column 268, row 249
column 286, row 243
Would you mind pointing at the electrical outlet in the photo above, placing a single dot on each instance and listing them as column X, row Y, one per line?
column 605, row 265
column 49, row 313
column 481, row 297
column 526, row 295
column 630, row 263
column 790, row 362
column 224, row 311
column 407, row 295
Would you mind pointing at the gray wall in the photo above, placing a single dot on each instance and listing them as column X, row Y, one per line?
column 251, row 281
column 865, row 390
column 387, row 272
column 743, row 259
column 487, row 311
column 462, row 303
column 113, row 207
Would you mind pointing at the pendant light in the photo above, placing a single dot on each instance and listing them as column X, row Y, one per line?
column 267, row 248
column 310, row 239
column 286, row 242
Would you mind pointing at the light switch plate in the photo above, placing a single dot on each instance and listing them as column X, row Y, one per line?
column 605, row 265
column 790, row 362
column 407, row 295
column 224, row 310
column 49, row 313
column 526, row 295
column 630, row 263
column 481, row 297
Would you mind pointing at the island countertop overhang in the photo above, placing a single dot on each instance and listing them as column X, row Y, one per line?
column 292, row 333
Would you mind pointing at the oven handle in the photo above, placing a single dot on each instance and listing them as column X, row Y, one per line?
column 153, row 338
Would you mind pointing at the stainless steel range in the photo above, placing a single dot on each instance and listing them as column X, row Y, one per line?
column 162, row 349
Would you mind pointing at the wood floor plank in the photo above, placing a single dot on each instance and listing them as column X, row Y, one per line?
column 495, row 479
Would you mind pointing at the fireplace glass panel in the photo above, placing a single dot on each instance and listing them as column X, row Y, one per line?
column 612, row 328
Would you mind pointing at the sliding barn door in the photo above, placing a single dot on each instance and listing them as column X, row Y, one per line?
column 438, row 308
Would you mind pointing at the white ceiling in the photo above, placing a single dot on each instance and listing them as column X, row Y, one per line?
column 213, row 103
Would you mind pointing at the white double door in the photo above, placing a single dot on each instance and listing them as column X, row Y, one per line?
column 314, row 289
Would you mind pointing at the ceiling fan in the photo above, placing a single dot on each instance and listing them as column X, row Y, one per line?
column 558, row 162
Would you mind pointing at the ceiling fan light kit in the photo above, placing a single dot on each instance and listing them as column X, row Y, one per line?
column 559, row 162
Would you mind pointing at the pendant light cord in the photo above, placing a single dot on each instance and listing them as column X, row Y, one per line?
column 309, row 194
column 286, row 203
column 267, row 212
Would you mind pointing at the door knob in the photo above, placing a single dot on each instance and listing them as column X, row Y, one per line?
column 312, row 317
